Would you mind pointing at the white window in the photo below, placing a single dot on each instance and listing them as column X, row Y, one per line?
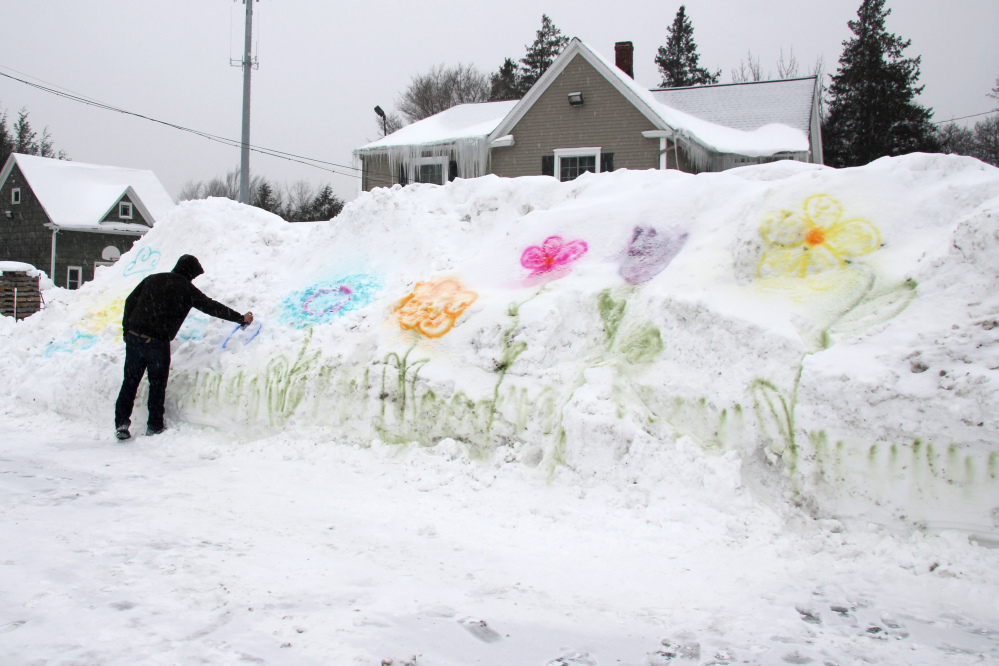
column 431, row 170
column 15, row 195
column 74, row 277
column 124, row 210
column 570, row 163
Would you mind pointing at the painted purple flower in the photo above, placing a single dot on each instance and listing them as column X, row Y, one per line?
column 327, row 301
column 553, row 254
column 649, row 252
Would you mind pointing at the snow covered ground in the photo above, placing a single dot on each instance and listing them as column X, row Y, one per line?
column 203, row 547
column 640, row 418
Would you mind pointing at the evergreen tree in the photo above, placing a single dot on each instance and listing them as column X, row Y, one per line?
column 325, row 206
column 547, row 46
column 21, row 138
column 677, row 61
column 264, row 197
column 987, row 140
column 24, row 136
column 872, row 107
column 505, row 84
column 6, row 141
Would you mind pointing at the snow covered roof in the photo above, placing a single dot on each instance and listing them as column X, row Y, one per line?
column 465, row 121
column 18, row 267
column 761, row 140
column 754, row 120
column 746, row 106
column 78, row 196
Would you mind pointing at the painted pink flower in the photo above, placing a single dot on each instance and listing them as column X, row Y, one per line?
column 553, row 254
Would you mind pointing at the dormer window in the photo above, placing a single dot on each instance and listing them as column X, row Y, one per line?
column 124, row 210
column 15, row 195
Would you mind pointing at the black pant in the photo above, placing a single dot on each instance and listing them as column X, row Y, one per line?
column 142, row 355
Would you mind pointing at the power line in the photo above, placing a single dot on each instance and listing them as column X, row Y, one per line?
column 291, row 157
column 974, row 115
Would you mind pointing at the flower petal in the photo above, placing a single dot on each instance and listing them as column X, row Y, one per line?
column 821, row 259
column 784, row 262
column 853, row 238
column 783, row 227
column 460, row 302
column 533, row 258
column 569, row 252
column 823, row 210
column 437, row 325
column 552, row 245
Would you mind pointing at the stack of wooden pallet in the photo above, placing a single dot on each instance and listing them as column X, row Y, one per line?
column 19, row 295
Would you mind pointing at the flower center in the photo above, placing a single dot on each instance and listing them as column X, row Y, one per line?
column 815, row 236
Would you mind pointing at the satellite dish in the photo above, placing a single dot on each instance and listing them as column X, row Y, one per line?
column 111, row 253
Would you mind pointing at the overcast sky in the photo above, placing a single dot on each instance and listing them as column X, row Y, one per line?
column 325, row 65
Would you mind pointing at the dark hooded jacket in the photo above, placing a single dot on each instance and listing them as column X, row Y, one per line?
column 158, row 306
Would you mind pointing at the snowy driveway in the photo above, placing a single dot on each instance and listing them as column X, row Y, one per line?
column 194, row 547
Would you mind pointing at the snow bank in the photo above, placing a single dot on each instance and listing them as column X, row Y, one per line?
column 826, row 337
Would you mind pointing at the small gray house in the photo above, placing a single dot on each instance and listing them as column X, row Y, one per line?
column 586, row 114
column 67, row 218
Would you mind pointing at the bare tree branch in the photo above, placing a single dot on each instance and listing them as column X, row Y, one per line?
column 788, row 69
column 441, row 88
column 748, row 71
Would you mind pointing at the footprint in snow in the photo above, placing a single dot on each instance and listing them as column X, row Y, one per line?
column 573, row 659
column 671, row 651
column 479, row 629
column 11, row 626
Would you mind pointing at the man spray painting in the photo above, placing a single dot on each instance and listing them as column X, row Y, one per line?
column 154, row 312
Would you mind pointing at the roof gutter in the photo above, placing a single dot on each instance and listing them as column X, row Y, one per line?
column 88, row 230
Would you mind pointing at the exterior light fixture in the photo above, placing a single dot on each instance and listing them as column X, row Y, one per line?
column 575, row 99
column 381, row 114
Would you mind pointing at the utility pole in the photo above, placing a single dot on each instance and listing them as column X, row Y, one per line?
column 248, row 63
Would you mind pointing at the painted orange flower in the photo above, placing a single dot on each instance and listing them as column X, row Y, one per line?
column 432, row 307
column 813, row 240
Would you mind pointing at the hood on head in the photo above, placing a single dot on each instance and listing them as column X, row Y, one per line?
column 188, row 266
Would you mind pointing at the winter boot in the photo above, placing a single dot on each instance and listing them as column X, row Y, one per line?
column 122, row 433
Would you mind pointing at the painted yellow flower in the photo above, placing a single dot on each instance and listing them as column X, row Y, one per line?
column 432, row 307
column 98, row 319
column 814, row 240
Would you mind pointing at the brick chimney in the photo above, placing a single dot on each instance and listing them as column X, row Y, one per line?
column 624, row 56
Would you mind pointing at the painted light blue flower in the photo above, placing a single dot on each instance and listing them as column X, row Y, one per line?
column 145, row 261
column 243, row 334
column 80, row 340
column 195, row 328
column 323, row 302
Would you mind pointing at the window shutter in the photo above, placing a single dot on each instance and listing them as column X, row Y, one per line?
column 606, row 162
column 548, row 165
column 402, row 175
column 452, row 170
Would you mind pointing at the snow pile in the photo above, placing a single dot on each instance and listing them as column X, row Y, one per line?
column 829, row 337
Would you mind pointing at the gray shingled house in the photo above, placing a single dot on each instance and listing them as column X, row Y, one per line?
column 585, row 114
column 67, row 218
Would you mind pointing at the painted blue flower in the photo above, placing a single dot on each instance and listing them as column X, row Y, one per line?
column 323, row 302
